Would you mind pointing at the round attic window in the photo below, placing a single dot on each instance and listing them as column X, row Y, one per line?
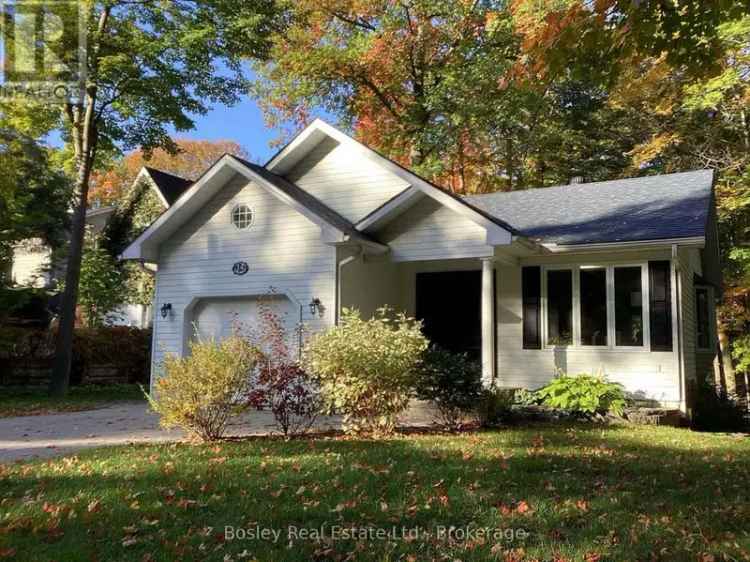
column 242, row 216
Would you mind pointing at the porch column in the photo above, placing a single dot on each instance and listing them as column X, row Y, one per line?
column 488, row 321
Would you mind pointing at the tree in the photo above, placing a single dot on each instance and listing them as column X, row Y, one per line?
column 445, row 88
column 101, row 286
column 148, row 65
column 33, row 196
column 415, row 79
column 189, row 160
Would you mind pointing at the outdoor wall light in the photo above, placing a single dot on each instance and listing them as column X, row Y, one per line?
column 316, row 307
column 166, row 309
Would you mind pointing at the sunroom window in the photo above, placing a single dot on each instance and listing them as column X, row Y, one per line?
column 606, row 306
column 593, row 289
column 628, row 306
column 559, row 307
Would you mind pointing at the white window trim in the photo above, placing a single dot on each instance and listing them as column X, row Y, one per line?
column 250, row 210
column 575, row 270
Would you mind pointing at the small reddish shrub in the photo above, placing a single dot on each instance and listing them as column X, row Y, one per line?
column 281, row 384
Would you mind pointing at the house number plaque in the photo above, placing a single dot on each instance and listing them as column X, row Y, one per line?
column 240, row 268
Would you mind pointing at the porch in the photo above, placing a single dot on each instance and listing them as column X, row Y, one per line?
column 454, row 298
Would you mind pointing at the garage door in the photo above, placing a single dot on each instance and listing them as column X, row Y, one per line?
column 219, row 318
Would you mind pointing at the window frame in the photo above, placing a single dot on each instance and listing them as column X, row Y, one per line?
column 576, row 344
column 235, row 208
column 545, row 307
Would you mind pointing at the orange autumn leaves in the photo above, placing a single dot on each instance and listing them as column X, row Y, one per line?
column 192, row 159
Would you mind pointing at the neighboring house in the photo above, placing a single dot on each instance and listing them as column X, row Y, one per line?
column 33, row 265
column 618, row 277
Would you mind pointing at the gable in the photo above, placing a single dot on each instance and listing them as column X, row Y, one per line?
column 429, row 230
column 278, row 235
column 341, row 178
column 332, row 226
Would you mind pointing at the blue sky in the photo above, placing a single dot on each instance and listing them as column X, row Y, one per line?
column 242, row 123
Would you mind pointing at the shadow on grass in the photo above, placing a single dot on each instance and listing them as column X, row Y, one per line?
column 575, row 490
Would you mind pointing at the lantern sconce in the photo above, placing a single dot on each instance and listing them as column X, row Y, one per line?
column 166, row 309
column 316, row 307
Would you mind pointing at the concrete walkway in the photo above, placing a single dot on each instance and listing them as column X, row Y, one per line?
column 49, row 435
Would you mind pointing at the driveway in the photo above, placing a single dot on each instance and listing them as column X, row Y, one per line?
column 128, row 422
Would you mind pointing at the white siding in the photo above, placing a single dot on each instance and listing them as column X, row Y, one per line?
column 648, row 375
column 344, row 180
column 282, row 248
column 690, row 264
column 368, row 283
column 431, row 231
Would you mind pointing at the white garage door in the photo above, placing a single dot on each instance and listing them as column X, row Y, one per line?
column 219, row 318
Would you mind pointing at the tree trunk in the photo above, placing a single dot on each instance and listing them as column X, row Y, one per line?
column 60, row 379
column 84, row 134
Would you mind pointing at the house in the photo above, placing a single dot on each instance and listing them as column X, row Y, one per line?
column 33, row 263
column 619, row 277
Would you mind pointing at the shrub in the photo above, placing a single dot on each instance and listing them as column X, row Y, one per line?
column 715, row 409
column 583, row 395
column 200, row 392
column 366, row 368
column 281, row 383
column 494, row 405
column 452, row 382
column 123, row 347
column 525, row 397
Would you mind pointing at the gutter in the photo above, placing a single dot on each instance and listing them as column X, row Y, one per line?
column 695, row 241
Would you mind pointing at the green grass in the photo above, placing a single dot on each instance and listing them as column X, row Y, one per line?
column 36, row 401
column 580, row 492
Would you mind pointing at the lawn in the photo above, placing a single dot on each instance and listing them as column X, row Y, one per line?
column 36, row 401
column 558, row 493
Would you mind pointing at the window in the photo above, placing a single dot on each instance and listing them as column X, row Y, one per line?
column 660, row 305
column 628, row 306
column 593, row 290
column 560, row 307
column 242, row 216
column 531, row 283
column 702, row 318
column 606, row 306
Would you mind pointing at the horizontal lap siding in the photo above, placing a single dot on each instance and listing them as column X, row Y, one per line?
column 650, row 375
column 282, row 248
column 344, row 180
column 690, row 265
column 431, row 231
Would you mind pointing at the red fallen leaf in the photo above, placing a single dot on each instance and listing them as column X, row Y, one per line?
column 523, row 507
column 504, row 509
column 7, row 552
column 592, row 557
column 583, row 505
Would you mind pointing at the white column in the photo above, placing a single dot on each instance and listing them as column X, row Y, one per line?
column 488, row 321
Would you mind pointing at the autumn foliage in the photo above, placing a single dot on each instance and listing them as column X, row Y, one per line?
column 190, row 161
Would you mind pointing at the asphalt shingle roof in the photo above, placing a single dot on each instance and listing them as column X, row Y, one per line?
column 648, row 208
column 171, row 186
